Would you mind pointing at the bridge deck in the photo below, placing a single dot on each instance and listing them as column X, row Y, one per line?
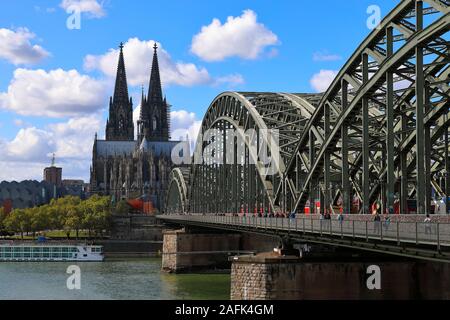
column 429, row 241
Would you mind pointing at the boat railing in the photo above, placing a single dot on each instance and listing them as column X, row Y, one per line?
column 49, row 243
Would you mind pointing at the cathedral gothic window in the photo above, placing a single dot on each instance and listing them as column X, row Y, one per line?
column 155, row 123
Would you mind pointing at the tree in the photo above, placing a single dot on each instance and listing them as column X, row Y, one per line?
column 68, row 213
column 2, row 220
column 18, row 221
column 74, row 219
column 97, row 216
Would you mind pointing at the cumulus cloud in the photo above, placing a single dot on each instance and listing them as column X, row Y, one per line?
column 19, row 171
column 138, row 60
column 184, row 124
column 230, row 80
column 93, row 8
column 322, row 80
column 325, row 56
column 25, row 156
column 56, row 93
column 66, row 139
column 138, row 56
column 241, row 36
column 30, row 144
column 30, row 151
column 16, row 47
column 73, row 139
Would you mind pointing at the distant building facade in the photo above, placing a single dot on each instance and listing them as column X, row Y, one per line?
column 53, row 175
column 32, row 193
column 27, row 194
column 123, row 166
column 75, row 188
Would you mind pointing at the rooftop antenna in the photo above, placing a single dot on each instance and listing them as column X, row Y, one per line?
column 53, row 160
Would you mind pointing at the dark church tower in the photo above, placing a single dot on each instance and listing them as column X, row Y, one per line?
column 119, row 126
column 154, row 120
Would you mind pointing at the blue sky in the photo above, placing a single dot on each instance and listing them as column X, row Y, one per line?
column 265, row 46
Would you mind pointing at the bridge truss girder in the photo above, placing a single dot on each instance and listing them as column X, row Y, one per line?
column 379, row 132
column 392, row 102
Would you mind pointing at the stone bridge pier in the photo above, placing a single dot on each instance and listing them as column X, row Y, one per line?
column 193, row 249
column 313, row 271
column 271, row 277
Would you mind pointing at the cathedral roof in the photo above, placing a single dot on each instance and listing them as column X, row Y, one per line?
column 158, row 147
column 115, row 148
column 126, row 148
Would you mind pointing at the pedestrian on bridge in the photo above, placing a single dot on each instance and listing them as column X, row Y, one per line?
column 427, row 222
column 340, row 218
column 321, row 219
column 327, row 220
column 292, row 216
column 376, row 223
column 387, row 222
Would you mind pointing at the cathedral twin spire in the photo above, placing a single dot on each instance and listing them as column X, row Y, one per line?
column 154, row 121
column 120, row 124
column 154, row 87
column 121, row 87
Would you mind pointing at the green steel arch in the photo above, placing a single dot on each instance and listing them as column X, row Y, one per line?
column 177, row 191
column 380, row 131
column 401, row 69
column 227, row 187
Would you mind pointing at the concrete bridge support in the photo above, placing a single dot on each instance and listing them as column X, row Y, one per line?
column 271, row 277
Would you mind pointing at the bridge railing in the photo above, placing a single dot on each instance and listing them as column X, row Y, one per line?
column 432, row 233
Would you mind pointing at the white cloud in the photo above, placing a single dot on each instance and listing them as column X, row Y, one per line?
column 73, row 139
column 29, row 152
column 19, row 122
column 184, row 123
column 91, row 7
column 19, row 171
column 325, row 56
column 138, row 56
column 231, row 80
column 138, row 60
column 57, row 93
column 46, row 10
column 15, row 47
column 322, row 80
column 30, row 144
column 25, row 156
column 240, row 36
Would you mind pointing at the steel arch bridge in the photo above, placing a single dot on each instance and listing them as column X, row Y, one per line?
column 379, row 133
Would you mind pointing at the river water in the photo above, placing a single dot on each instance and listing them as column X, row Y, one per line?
column 132, row 279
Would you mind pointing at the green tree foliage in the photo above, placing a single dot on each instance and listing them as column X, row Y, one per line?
column 68, row 214
column 2, row 219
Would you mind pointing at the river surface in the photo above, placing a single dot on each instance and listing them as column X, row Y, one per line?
column 133, row 279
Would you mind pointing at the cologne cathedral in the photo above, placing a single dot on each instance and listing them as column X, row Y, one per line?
column 125, row 167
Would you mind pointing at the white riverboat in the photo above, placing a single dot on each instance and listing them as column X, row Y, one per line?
column 50, row 252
